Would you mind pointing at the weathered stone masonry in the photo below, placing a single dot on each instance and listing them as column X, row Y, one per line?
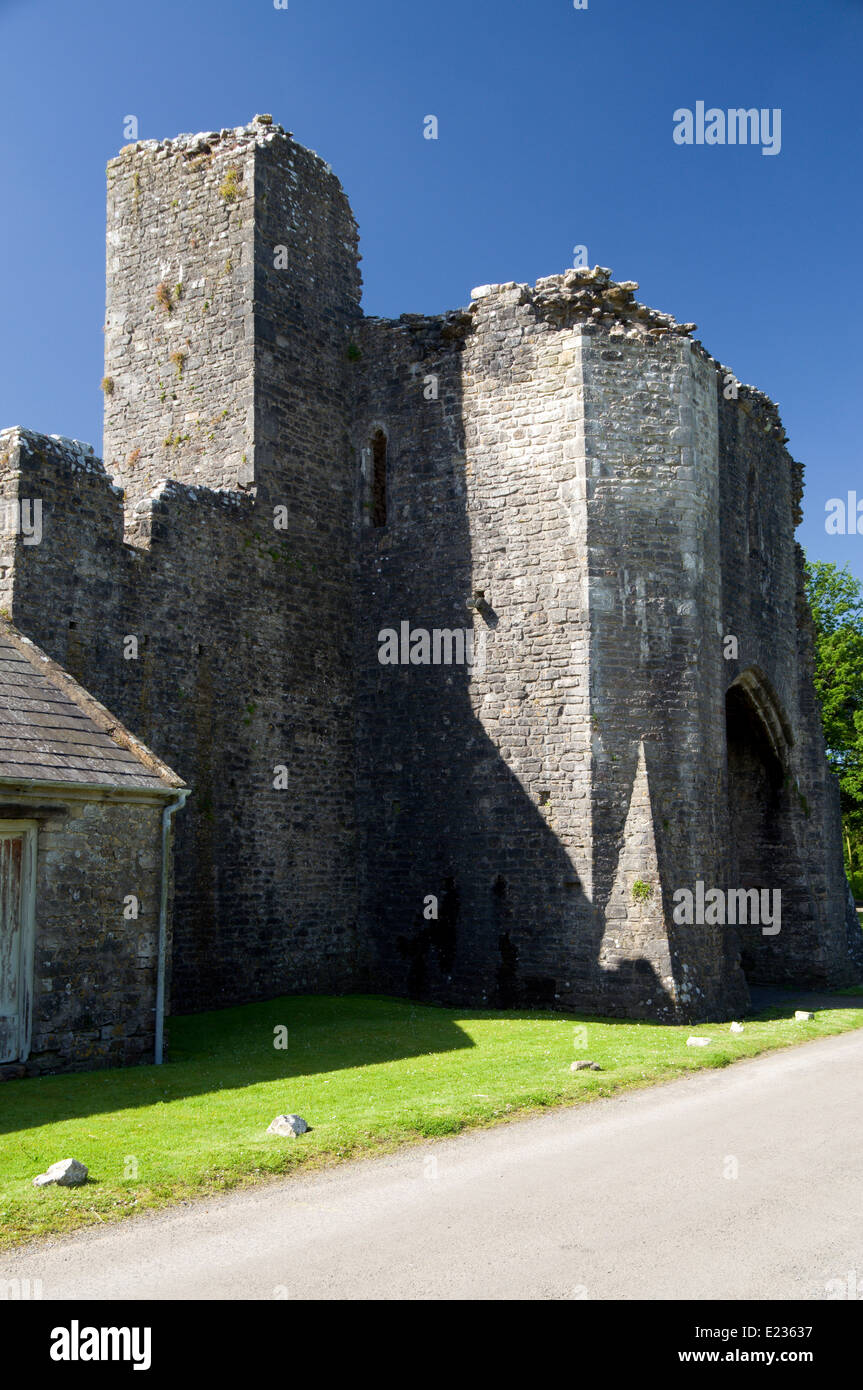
column 578, row 490
column 581, row 471
column 245, row 631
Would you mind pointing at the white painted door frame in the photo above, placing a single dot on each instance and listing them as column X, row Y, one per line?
column 27, row 831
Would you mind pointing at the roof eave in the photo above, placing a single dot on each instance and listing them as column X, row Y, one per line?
column 88, row 791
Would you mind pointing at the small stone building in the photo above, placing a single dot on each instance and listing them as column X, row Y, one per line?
column 85, row 812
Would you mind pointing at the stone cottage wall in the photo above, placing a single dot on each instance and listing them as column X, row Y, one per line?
column 94, row 979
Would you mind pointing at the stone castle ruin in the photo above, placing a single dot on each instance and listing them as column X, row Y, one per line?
column 557, row 470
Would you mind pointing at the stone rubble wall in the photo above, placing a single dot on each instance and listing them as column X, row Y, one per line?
column 575, row 474
column 652, row 513
column 798, row 839
column 474, row 782
column 94, row 969
column 179, row 336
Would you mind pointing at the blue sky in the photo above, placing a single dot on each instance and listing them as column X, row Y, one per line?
column 555, row 130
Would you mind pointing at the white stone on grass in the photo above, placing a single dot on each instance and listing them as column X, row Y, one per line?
column 67, row 1172
column 803, row 1016
column 288, row 1125
column 697, row 1042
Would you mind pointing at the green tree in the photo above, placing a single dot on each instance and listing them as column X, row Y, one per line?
column 836, row 600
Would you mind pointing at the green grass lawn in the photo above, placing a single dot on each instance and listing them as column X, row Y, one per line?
column 366, row 1072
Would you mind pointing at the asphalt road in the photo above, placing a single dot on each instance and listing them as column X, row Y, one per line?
column 740, row 1183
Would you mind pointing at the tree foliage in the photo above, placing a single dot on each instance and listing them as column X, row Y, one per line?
column 836, row 600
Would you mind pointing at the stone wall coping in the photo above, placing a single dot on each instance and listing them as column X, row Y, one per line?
column 75, row 453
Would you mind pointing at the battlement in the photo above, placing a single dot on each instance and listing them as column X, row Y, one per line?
column 55, row 468
column 74, row 454
column 260, row 131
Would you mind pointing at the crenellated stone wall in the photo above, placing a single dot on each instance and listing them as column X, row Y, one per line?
column 228, row 685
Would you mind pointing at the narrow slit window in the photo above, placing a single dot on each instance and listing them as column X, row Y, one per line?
column 379, row 479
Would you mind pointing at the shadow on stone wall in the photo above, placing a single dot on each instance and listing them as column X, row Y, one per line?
column 440, row 812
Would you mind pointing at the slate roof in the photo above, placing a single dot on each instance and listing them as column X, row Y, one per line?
column 51, row 730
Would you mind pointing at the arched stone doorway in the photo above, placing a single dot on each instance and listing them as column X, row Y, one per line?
column 763, row 851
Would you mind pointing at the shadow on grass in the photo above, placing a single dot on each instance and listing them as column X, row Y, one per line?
column 778, row 1001
column 228, row 1049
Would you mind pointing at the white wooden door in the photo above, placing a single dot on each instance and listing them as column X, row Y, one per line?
column 17, row 846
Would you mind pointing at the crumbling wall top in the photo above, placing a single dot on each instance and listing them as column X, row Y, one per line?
column 590, row 295
column 593, row 298
column 259, row 133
